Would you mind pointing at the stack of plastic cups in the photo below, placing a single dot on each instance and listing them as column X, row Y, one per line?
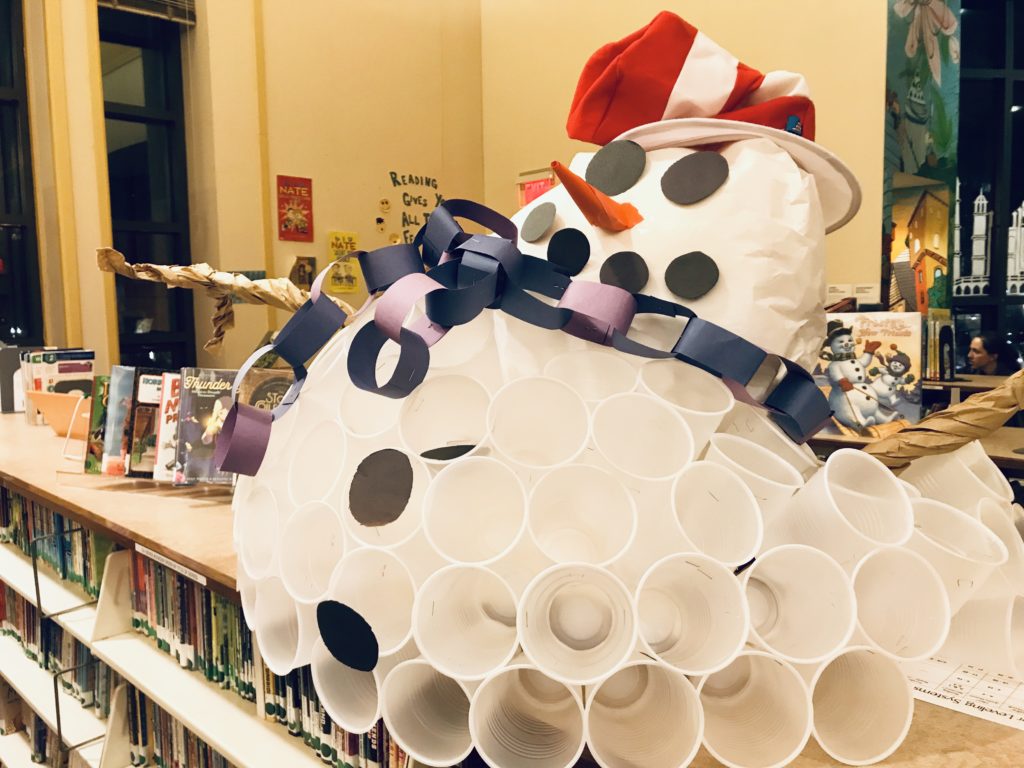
column 644, row 442
column 756, row 426
column 961, row 549
column 644, row 714
column 772, row 481
column 960, row 478
column 427, row 713
column 862, row 703
column 757, row 712
column 851, row 506
column 701, row 399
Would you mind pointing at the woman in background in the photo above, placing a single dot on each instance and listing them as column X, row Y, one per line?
column 991, row 356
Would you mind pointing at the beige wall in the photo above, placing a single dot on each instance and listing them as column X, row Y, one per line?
column 534, row 50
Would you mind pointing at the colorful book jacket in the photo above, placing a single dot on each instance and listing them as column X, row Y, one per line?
column 97, row 424
column 115, row 436
column 143, row 423
column 870, row 370
column 205, row 402
column 167, row 430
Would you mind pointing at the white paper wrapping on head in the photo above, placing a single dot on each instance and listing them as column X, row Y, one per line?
column 763, row 228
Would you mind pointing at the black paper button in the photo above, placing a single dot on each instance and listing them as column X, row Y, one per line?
column 616, row 167
column 538, row 222
column 692, row 178
column 569, row 250
column 381, row 487
column 347, row 635
column 626, row 270
column 691, row 275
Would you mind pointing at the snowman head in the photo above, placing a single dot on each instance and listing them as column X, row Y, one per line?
column 843, row 345
column 699, row 195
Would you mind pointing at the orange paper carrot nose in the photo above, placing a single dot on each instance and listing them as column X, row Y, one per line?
column 600, row 210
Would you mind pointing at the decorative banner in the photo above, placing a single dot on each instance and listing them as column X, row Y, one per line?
column 303, row 271
column 295, row 209
column 252, row 274
column 920, row 190
column 346, row 277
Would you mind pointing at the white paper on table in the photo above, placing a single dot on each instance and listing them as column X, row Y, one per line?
column 968, row 688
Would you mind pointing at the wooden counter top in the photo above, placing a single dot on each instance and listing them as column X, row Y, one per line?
column 191, row 526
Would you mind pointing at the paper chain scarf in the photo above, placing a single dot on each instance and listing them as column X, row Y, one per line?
column 470, row 273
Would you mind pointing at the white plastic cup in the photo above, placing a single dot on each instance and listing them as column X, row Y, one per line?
column 1009, row 577
column 595, row 374
column 577, row 623
column 642, row 436
column 989, row 632
column 850, row 507
column 772, row 481
column 409, row 510
column 520, row 564
column 313, row 468
column 312, row 543
column 475, row 511
column 912, row 491
column 644, row 714
column 755, row 425
column 902, row 605
column 960, row 548
column 802, row 604
column 378, row 586
column 757, row 712
column 427, row 713
column 470, row 350
column 419, row 556
column 244, row 486
column 520, row 718
column 538, row 422
column 581, row 513
column 717, row 513
column 285, row 630
column 247, row 588
column 863, row 706
column 259, row 533
column 370, row 419
column 464, row 621
column 442, row 413
column 701, row 399
column 352, row 696
column 959, row 478
column 693, row 613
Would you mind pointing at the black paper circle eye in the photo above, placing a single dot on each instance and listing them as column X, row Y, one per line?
column 447, row 452
column 616, row 167
column 538, row 222
column 691, row 275
column 692, row 178
column 569, row 250
column 347, row 635
column 626, row 270
column 380, row 488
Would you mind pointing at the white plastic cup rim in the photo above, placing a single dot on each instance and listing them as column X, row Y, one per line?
column 670, row 413
column 608, row 359
column 336, row 592
column 932, row 576
column 851, row 454
column 997, row 518
column 290, row 549
column 726, row 396
column 633, row 628
column 538, row 487
column 812, row 684
column 727, row 441
column 827, row 561
column 997, row 553
column 430, row 500
column 421, row 595
column 255, row 570
column 711, row 563
column 542, row 381
column 285, row 608
column 807, row 698
column 420, row 476
column 741, row 487
column 481, row 438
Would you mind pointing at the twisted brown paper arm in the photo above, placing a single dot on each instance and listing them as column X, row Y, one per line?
column 976, row 417
column 278, row 292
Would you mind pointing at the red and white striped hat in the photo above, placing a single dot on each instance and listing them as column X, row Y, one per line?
column 669, row 84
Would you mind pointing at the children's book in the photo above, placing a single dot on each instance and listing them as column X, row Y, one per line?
column 143, row 423
column 265, row 387
column 115, row 436
column 97, row 425
column 205, row 402
column 870, row 370
column 167, row 430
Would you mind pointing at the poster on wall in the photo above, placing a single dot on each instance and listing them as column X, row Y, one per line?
column 346, row 277
column 869, row 368
column 295, row 209
column 920, row 222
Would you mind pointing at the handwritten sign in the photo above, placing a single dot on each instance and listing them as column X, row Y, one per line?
column 419, row 198
column 295, row 209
